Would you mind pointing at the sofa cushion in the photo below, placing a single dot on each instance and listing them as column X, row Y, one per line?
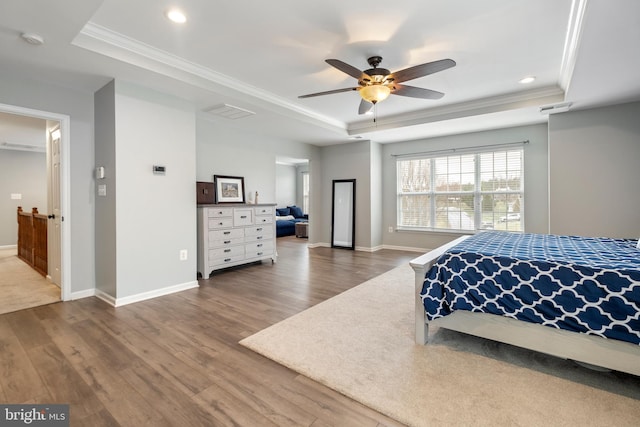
column 283, row 211
column 296, row 211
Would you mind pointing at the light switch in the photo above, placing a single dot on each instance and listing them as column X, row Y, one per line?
column 102, row 190
column 16, row 196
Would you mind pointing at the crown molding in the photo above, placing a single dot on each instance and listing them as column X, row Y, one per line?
column 506, row 102
column 572, row 42
column 104, row 41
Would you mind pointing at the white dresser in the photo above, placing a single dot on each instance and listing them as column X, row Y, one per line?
column 230, row 235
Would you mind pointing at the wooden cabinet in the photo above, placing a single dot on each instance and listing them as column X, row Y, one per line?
column 230, row 235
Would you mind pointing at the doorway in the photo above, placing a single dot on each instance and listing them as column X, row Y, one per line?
column 54, row 145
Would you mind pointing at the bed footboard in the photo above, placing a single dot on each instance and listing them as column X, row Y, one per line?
column 420, row 266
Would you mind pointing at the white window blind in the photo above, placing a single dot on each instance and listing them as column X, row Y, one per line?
column 305, row 192
column 468, row 191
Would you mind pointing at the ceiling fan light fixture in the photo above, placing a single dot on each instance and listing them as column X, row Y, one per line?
column 375, row 93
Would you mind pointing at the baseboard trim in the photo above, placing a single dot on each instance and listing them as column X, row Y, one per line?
column 83, row 294
column 9, row 247
column 374, row 248
column 119, row 302
column 405, row 248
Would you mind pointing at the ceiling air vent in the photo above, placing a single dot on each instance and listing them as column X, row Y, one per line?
column 555, row 108
column 229, row 111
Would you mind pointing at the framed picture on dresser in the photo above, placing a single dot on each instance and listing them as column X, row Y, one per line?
column 229, row 189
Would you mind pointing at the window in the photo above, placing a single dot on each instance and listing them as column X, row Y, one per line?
column 305, row 192
column 472, row 191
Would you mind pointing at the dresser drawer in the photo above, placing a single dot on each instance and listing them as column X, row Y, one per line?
column 258, row 238
column 221, row 262
column 220, row 254
column 267, row 210
column 259, row 249
column 259, row 230
column 219, row 212
column 222, row 222
column 242, row 217
column 231, row 233
column 228, row 242
column 264, row 219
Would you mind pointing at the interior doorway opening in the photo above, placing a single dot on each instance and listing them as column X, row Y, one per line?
column 51, row 182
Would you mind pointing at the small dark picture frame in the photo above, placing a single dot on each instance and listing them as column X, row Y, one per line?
column 229, row 189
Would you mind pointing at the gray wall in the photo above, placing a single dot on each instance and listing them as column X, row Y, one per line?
column 594, row 173
column 25, row 173
column 105, row 156
column 28, row 93
column 346, row 161
column 224, row 148
column 155, row 214
column 285, row 185
column 535, row 185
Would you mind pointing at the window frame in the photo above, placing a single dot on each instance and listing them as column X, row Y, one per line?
column 477, row 193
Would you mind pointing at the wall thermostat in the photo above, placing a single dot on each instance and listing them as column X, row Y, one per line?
column 159, row 170
column 100, row 172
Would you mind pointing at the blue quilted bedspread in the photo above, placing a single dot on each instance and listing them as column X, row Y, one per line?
column 589, row 285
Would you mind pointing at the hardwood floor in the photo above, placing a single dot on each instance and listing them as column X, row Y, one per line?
column 175, row 360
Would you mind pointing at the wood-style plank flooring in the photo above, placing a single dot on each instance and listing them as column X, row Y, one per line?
column 176, row 361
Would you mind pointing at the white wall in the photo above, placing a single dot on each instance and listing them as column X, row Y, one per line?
column 27, row 93
column 594, row 158
column 285, row 185
column 535, row 185
column 24, row 173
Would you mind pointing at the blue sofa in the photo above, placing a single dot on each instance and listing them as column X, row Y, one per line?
column 286, row 219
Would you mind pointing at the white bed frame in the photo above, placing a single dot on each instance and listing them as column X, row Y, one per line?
column 587, row 349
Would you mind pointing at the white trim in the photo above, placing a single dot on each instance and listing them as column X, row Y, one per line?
column 404, row 248
column 102, row 40
column 83, row 294
column 9, row 247
column 119, row 302
column 65, row 187
column 571, row 42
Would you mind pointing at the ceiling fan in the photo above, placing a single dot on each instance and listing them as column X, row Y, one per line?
column 376, row 84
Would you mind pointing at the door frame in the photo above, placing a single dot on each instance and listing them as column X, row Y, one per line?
column 65, row 194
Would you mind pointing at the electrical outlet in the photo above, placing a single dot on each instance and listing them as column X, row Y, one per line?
column 390, row 229
column 183, row 255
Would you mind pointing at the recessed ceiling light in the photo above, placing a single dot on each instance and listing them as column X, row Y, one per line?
column 528, row 79
column 176, row 16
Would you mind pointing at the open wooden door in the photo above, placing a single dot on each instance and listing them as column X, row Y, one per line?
column 55, row 212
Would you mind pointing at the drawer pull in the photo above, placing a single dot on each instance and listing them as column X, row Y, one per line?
column 226, row 242
column 221, row 223
column 227, row 250
column 264, row 220
column 259, row 229
column 227, row 260
column 220, row 213
column 259, row 245
column 258, row 237
column 243, row 216
column 227, row 232
column 260, row 253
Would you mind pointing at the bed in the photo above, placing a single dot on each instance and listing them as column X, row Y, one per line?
column 572, row 297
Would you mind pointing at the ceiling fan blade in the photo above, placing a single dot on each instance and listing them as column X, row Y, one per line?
column 416, row 92
column 421, row 70
column 329, row 92
column 345, row 68
column 365, row 106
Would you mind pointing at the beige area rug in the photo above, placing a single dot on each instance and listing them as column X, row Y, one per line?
column 361, row 343
column 21, row 286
